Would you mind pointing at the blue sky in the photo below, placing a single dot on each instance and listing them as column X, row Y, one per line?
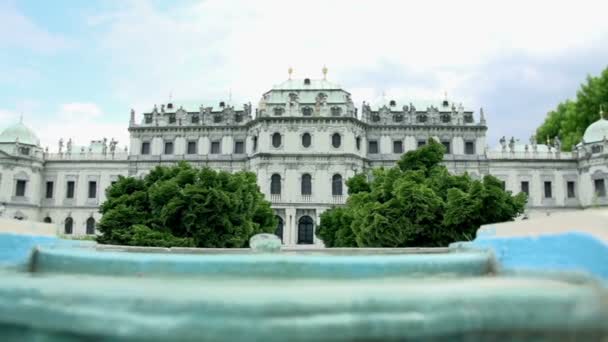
column 74, row 69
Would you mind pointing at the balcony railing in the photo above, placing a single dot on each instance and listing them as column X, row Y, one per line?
column 275, row 198
column 86, row 156
column 530, row 155
column 306, row 198
column 338, row 199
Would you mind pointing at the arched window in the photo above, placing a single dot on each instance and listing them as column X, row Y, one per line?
column 358, row 143
column 90, row 225
column 306, row 184
column 306, row 139
column 47, row 220
column 255, row 144
column 305, row 230
column 279, row 231
column 306, row 111
column 336, row 185
column 336, row 140
column 275, row 184
column 68, row 226
column 276, row 140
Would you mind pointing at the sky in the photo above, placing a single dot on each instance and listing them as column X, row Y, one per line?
column 74, row 69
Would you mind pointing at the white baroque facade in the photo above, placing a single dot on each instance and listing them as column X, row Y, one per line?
column 304, row 140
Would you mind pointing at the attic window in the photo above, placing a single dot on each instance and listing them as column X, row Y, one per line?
column 446, row 103
column 222, row 104
column 392, row 103
column 170, row 106
column 195, row 118
column 172, row 118
column 278, row 111
column 306, row 111
column 307, row 81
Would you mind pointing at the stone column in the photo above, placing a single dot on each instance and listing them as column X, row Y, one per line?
column 291, row 226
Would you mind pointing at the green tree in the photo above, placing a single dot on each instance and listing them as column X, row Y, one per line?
column 570, row 119
column 184, row 206
column 417, row 203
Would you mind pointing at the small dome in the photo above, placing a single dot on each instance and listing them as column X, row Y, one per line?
column 19, row 132
column 596, row 131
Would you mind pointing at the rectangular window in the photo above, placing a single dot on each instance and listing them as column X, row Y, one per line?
column 172, row 118
column 373, row 147
column 255, row 144
column 145, row 147
column 92, row 189
column 215, row 147
column 70, row 189
column 239, row 147
column 194, row 119
column 168, row 147
column 600, row 187
column 446, row 144
column 525, row 187
column 548, row 190
column 49, row 189
column 20, row 189
column 398, row 146
column 421, row 143
column 469, row 147
column 570, row 189
column 148, row 118
column 191, row 147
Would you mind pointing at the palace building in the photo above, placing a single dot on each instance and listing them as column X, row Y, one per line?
column 304, row 140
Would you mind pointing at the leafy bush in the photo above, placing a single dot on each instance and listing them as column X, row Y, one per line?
column 184, row 206
column 417, row 203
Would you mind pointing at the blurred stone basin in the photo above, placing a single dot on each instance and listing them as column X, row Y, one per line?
column 67, row 291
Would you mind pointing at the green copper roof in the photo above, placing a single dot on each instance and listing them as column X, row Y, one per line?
column 19, row 132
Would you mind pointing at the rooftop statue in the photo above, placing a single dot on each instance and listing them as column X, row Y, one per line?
column 512, row 144
column 503, row 143
column 60, row 145
column 69, row 146
column 557, row 143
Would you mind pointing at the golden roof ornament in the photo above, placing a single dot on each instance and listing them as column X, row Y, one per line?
column 324, row 72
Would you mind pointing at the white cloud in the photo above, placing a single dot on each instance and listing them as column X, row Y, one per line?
column 201, row 51
column 79, row 111
column 18, row 31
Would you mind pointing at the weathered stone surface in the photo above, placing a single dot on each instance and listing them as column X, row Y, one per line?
column 265, row 243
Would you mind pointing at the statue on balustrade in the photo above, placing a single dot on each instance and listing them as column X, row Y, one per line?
column 503, row 143
column 60, row 145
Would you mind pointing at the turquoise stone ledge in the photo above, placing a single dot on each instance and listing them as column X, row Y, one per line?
column 578, row 252
column 86, row 261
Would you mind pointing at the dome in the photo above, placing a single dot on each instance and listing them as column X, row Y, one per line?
column 19, row 132
column 596, row 131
